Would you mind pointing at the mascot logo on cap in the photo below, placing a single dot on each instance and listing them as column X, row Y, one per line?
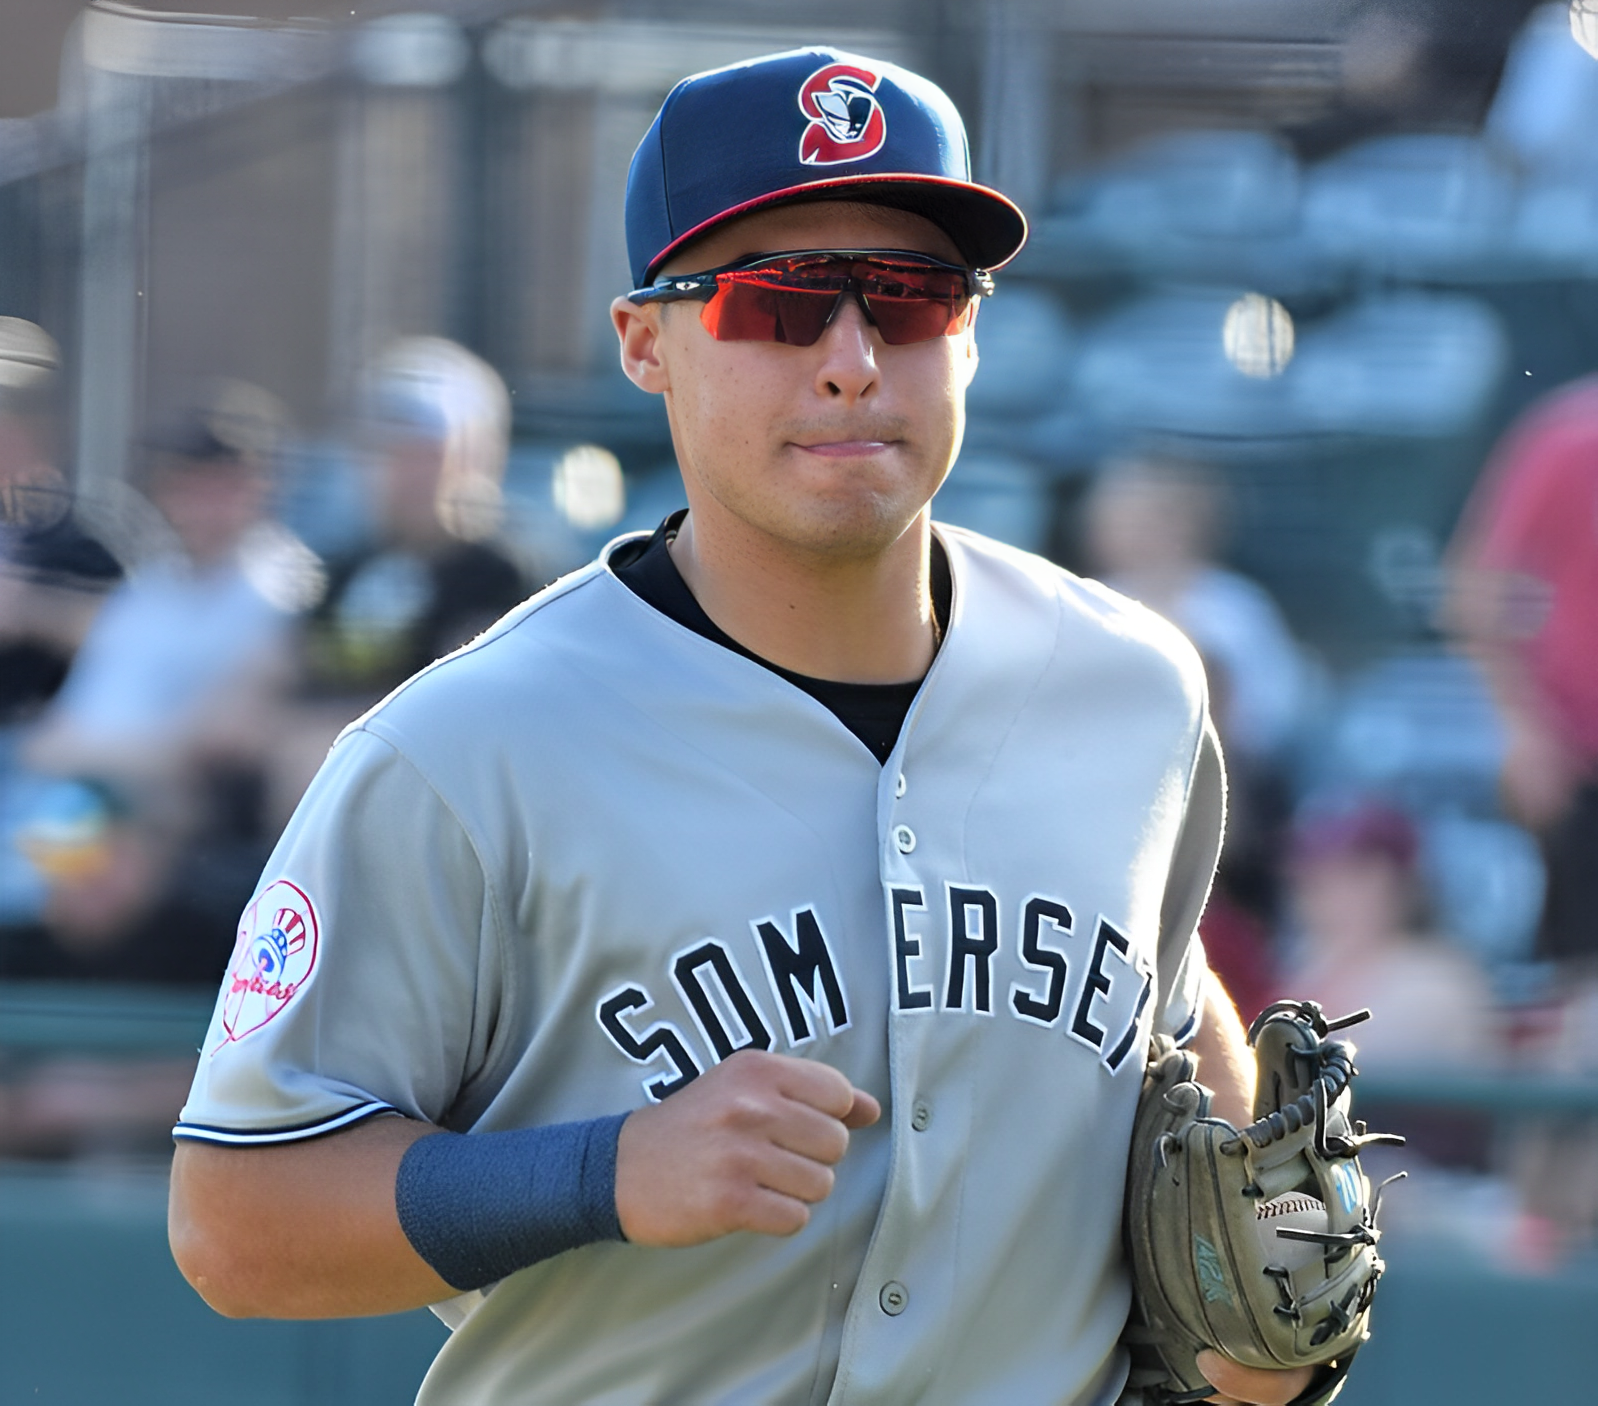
column 272, row 960
column 846, row 120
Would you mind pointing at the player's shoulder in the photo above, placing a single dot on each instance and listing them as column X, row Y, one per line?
column 521, row 665
column 1006, row 580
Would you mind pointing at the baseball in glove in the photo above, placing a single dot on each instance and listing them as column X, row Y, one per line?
column 1258, row 1242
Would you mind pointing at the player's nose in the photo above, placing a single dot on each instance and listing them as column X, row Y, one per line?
column 847, row 369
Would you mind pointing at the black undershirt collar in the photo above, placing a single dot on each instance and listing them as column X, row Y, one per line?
column 873, row 712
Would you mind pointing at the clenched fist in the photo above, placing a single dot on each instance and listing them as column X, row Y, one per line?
column 750, row 1145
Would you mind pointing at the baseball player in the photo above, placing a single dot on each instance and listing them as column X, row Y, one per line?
column 728, row 979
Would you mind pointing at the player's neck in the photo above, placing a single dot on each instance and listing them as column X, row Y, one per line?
column 856, row 620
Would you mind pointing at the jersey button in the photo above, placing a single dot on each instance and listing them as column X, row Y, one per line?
column 905, row 838
column 898, row 787
column 921, row 1115
column 894, row 1298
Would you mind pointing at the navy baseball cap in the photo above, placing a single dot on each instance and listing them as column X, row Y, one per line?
column 809, row 124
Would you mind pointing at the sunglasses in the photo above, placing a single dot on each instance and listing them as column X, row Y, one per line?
column 791, row 298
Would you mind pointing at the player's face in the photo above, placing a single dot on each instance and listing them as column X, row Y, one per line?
column 834, row 448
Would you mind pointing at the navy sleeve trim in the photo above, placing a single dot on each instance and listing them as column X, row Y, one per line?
column 294, row 1132
column 1184, row 1036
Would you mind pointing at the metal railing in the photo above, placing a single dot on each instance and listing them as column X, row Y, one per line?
column 107, row 1018
column 104, row 1019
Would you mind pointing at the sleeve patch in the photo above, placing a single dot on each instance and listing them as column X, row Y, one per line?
column 273, row 960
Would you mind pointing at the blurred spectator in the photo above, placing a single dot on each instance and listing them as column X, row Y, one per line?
column 435, row 424
column 150, row 838
column 1155, row 526
column 1554, row 1158
column 1525, row 601
column 182, row 653
column 1361, row 942
column 1360, row 906
column 111, row 913
column 53, row 574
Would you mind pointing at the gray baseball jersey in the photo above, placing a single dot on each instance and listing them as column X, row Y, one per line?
column 570, row 867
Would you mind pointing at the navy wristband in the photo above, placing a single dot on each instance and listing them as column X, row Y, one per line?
column 480, row 1206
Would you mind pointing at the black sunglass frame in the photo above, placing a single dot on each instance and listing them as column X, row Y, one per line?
column 701, row 287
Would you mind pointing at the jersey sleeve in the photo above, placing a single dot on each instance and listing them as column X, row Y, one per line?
column 365, row 970
column 1182, row 964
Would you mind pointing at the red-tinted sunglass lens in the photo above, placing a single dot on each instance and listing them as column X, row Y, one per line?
column 744, row 310
column 906, row 319
column 793, row 302
column 912, row 304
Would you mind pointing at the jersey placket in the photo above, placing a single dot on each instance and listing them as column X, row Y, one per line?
column 908, row 1279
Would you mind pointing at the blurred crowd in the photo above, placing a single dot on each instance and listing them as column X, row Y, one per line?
column 168, row 693
column 1413, row 831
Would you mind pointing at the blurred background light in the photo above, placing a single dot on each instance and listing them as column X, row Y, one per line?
column 284, row 571
column 1258, row 336
column 1584, row 24
column 28, row 354
column 416, row 50
column 588, row 487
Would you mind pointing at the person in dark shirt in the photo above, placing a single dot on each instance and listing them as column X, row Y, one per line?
column 435, row 420
column 434, row 424
column 53, row 573
column 111, row 914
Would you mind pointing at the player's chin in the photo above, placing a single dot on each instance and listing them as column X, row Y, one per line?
column 854, row 526
column 862, row 501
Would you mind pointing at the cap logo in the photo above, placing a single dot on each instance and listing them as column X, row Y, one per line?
column 846, row 120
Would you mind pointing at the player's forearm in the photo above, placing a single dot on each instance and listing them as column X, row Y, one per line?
column 302, row 1229
column 1226, row 1067
column 386, row 1217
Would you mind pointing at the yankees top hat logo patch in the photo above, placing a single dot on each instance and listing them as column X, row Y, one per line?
column 273, row 959
column 846, row 120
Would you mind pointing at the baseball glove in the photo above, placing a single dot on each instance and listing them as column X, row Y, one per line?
column 1257, row 1242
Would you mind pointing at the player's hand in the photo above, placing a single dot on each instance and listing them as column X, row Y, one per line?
column 1235, row 1383
column 750, row 1145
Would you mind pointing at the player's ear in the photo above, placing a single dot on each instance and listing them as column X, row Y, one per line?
column 638, row 331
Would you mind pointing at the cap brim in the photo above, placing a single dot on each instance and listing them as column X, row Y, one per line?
column 986, row 227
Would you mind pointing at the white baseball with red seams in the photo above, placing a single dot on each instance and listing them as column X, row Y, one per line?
column 1294, row 1211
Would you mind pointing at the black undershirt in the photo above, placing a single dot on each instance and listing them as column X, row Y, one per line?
column 874, row 712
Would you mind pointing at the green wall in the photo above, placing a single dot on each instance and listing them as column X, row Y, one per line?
column 92, row 1312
